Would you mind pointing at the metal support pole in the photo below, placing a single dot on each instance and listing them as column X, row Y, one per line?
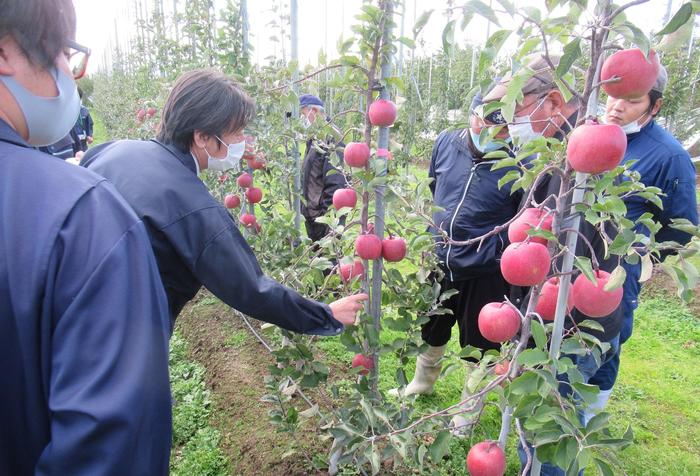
column 382, row 148
column 295, row 114
column 245, row 28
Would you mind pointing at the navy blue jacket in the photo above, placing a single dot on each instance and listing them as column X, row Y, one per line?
column 83, row 325
column 195, row 239
column 466, row 188
column 661, row 162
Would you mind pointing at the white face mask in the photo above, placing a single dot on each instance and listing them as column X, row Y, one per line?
column 231, row 161
column 521, row 130
column 634, row 126
column 305, row 122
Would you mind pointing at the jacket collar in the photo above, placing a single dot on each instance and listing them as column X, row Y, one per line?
column 8, row 134
column 184, row 156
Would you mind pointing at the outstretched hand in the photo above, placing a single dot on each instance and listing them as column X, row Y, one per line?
column 345, row 310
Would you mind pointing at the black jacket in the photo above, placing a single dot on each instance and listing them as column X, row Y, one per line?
column 319, row 180
column 196, row 241
column 466, row 188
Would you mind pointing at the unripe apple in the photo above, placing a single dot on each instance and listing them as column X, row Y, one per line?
column 486, row 459
column 547, row 303
column 253, row 194
column 248, row 220
column 530, row 219
column 356, row 154
column 498, row 321
column 344, row 197
column 368, row 246
column 382, row 113
column 393, row 249
column 595, row 148
column 502, row 368
column 591, row 299
column 525, row 264
column 244, row 180
column 350, row 271
column 363, row 361
column 232, row 201
column 637, row 73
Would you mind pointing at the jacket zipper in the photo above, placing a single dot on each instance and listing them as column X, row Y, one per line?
column 454, row 216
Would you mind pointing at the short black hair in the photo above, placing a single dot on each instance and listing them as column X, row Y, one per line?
column 203, row 100
column 654, row 96
column 41, row 28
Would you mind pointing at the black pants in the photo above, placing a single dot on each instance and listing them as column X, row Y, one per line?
column 473, row 294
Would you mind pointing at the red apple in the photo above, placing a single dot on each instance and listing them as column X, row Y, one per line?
column 344, row 197
column 595, row 148
column 486, row 459
column 232, row 201
column 393, row 249
column 363, row 361
column 258, row 162
column 591, row 299
column 254, row 195
column 151, row 111
column 382, row 113
column 248, row 220
column 244, row 180
column 140, row 115
column 350, row 271
column 547, row 303
column 498, row 321
column 368, row 246
column 356, row 154
column 530, row 219
column 637, row 73
column 525, row 264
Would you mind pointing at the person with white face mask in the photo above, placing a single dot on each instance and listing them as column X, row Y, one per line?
column 84, row 319
column 661, row 162
column 196, row 241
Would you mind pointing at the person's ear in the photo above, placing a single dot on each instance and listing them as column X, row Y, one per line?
column 657, row 106
column 200, row 139
column 8, row 49
column 556, row 98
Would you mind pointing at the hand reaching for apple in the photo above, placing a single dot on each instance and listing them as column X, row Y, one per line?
column 345, row 310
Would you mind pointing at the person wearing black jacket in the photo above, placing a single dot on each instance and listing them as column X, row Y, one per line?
column 320, row 178
column 543, row 112
column 196, row 241
column 472, row 203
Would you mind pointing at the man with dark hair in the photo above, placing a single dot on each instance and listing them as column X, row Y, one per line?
column 83, row 315
column 195, row 239
column 319, row 178
column 661, row 162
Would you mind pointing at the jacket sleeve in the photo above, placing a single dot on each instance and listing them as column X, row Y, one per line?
column 109, row 394
column 228, row 268
column 89, row 124
column 679, row 201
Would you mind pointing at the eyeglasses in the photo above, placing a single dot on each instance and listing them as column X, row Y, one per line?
column 78, row 56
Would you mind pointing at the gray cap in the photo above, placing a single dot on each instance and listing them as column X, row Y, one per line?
column 661, row 80
column 540, row 82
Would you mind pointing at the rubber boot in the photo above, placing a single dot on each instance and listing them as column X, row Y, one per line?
column 461, row 424
column 596, row 407
column 428, row 368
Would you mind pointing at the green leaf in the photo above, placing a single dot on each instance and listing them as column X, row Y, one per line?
column 591, row 324
column 598, row 422
column 635, row 36
column 375, row 460
column 448, row 37
column 584, row 265
column 647, row 268
column 525, row 384
column 616, row 280
column 532, row 357
column 480, row 8
column 679, row 19
column 603, row 467
column 510, row 176
column 440, row 446
column 589, row 393
column 491, row 49
column 420, row 23
column 572, row 52
column 538, row 334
